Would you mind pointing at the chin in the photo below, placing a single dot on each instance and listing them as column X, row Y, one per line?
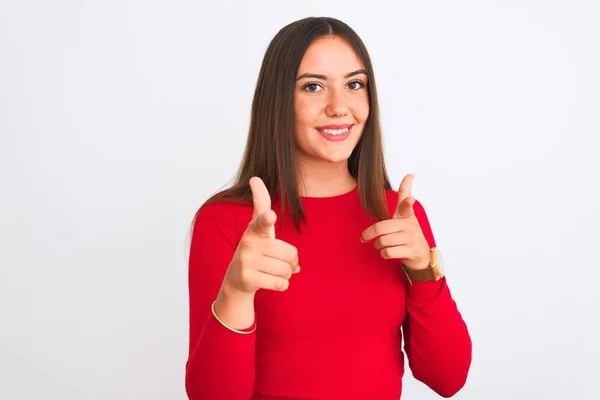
column 337, row 157
column 318, row 150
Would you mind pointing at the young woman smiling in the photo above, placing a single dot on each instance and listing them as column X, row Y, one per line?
column 308, row 274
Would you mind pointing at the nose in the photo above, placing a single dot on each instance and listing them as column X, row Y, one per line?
column 337, row 106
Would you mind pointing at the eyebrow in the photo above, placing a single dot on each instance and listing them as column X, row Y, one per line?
column 323, row 77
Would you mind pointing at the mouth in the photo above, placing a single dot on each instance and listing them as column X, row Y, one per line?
column 335, row 133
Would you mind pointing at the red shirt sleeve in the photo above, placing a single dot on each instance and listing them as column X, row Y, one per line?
column 437, row 342
column 220, row 363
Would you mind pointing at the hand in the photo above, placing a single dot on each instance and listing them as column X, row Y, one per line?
column 261, row 261
column 401, row 236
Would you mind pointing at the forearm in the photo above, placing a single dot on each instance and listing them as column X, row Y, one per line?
column 437, row 342
column 222, row 364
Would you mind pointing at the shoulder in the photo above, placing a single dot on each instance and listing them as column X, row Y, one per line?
column 228, row 218
column 222, row 211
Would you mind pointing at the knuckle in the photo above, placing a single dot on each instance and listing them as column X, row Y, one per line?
column 245, row 275
column 246, row 243
column 288, row 272
column 245, row 258
column 385, row 253
column 283, row 284
column 376, row 229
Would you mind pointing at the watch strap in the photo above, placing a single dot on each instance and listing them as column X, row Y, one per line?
column 431, row 273
column 421, row 275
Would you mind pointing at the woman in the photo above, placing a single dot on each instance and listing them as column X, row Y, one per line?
column 306, row 275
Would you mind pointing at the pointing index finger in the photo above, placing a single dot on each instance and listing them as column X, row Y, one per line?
column 260, row 197
column 262, row 205
column 404, row 195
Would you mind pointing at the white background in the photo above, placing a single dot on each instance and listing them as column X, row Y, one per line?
column 119, row 118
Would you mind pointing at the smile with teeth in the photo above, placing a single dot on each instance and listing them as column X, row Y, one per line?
column 335, row 132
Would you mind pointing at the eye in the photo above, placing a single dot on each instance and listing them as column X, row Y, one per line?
column 312, row 87
column 356, row 85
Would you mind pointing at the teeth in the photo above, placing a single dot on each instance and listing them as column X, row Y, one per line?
column 335, row 131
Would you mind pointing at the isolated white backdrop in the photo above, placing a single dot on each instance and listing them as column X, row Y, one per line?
column 118, row 118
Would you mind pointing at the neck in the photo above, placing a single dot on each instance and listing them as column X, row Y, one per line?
column 325, row 179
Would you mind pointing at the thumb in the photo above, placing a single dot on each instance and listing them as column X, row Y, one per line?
column 405, row 208
column 264, row 224
column 263, row 219
column 405, row 199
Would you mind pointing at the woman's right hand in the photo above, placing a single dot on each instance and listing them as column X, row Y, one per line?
column 260, row 261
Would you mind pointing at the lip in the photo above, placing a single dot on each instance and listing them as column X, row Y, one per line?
column 334, row 126
column 335, row 138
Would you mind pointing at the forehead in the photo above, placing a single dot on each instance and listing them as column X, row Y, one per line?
column 330, row 56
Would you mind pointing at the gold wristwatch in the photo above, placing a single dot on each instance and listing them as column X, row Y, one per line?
column 434, row 272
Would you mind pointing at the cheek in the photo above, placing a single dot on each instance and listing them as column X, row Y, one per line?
column 303, row 119
column 360, row 109
column 306, row 112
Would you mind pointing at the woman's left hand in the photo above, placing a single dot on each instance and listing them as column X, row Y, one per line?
column 401, row 236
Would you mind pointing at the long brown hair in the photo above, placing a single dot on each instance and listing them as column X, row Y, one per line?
column 271, row 148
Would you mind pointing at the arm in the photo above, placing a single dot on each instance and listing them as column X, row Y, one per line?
column 437, row 342
column 221, row 362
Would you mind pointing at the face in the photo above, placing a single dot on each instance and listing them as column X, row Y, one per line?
column 331, row 103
